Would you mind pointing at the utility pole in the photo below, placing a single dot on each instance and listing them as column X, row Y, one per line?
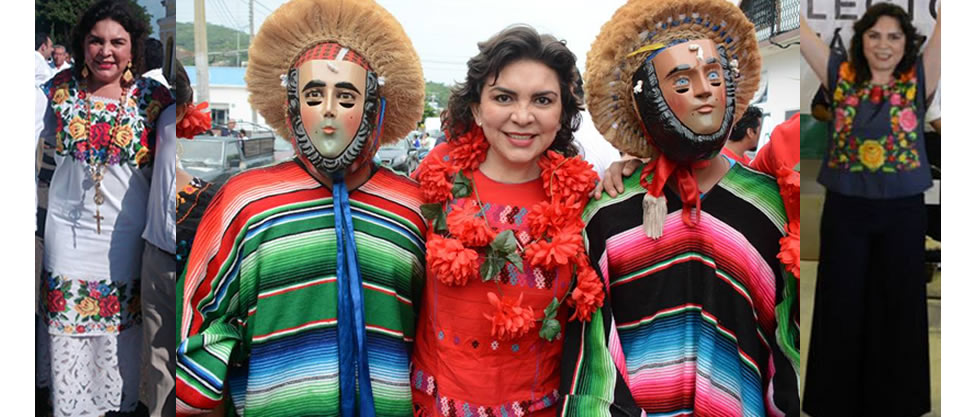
column 200, row 47
column 249, row 40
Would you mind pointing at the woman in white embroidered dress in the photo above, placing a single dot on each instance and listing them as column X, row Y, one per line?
column 100, row 116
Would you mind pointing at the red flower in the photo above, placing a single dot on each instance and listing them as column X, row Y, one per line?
column 790, row 249
column 464, row 224
column 144, row 138
column 469, row 149
column 789, row 189
column 907, row 76
column 111, row 107
column 562, row 177
column 82, row 95
column 194, row 122
column 548, row 219
column 108, row 306
column 81, row 146
column 434, row 182
column 876, row 94
column 449, row 261
column 588, row 294
column 98, row 135
column 79, row 329
column 559, row 251
column 510, row 319
column 55, row 301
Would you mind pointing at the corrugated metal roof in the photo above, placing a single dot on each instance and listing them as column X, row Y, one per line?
column 233, row 76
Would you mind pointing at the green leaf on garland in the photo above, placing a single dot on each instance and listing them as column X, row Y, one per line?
column 505, row 242
column 550, row 329
column 492, row 265
column 552, row 309
column 431, row 211
column 462, row 186
column 515, row 260
column 440, row 223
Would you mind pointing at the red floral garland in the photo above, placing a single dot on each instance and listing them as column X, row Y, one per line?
column 455, row 249
column 789, row 244
column 194, row 122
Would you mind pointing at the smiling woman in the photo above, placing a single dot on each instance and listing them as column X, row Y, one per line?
column 519, row 113
column 870, row 307
column 504, row 248
column 100, row 116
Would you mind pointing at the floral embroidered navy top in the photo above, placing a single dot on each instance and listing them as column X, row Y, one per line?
column 876, row 144
column 97, row 136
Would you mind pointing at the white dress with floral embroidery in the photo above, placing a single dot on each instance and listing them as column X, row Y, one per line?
column 89, row 291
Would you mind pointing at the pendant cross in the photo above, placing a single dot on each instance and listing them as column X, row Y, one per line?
column 98, row 219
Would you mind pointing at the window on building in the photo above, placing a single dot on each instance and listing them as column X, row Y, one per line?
column 219, row 114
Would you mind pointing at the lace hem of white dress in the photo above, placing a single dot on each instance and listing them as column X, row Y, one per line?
column 92, row 375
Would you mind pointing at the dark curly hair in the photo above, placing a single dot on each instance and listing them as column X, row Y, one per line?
column 516, row 43
column 179, row 82
column 751, row 119
column 119, row 11
column 912, row 45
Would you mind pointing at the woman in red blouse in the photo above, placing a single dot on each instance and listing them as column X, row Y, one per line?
column 506, row 265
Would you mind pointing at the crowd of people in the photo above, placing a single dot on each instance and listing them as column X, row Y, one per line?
column 49, row 58
column 506, row 276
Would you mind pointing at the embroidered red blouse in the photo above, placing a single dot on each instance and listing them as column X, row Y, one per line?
column 458, row 367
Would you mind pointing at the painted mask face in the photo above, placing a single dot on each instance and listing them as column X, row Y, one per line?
column 333, row 108
column 685, row 97
column 332, row 94
column 692, row 87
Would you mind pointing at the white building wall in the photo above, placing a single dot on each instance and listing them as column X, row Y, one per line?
column 234, row 100
column 781, row 69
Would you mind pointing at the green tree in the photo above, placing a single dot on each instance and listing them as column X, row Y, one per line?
column 429, row 111
column 221, row 44
column 438, row 93
column 59, row 17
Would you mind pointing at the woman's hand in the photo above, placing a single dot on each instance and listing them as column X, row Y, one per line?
column 612, row 181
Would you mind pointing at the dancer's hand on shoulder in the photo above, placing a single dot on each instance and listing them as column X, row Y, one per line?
column 612, row 181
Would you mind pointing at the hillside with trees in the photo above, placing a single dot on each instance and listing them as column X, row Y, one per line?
column 58, row 17
column 221, row 45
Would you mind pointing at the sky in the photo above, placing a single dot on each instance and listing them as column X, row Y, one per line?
column 156, row 9
column 445, row 33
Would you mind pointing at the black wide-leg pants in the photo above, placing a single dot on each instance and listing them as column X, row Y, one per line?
column 868, row 351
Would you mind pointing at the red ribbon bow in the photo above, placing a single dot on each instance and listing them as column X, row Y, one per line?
column 663, row 168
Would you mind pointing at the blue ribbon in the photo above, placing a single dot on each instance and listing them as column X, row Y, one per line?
column 351, row 312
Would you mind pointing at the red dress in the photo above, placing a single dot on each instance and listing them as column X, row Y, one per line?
column 458, row 367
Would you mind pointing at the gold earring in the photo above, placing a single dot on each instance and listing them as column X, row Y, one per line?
column 84, row 71
column 127, row 76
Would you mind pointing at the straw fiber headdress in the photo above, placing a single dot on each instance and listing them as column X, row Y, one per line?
column 612, row 60
column 360, row 25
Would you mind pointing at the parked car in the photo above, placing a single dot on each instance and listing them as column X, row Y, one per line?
column 213, row 158
column 401, row 156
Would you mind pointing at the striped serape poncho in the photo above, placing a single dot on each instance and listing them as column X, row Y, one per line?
column 259, row 294
column 702, row 321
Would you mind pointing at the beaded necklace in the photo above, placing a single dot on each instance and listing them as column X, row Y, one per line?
column 96, row 161
column 462, row 245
